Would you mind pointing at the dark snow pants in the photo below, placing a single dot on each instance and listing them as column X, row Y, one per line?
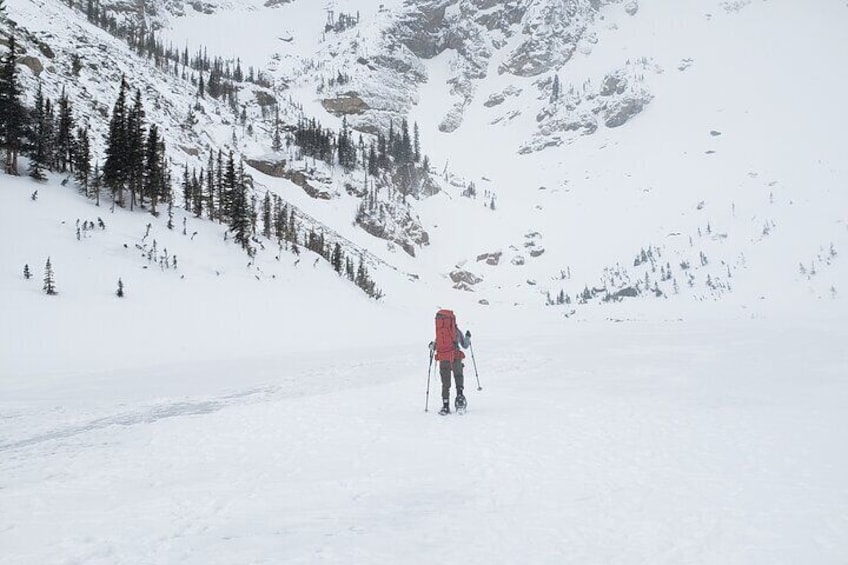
column 445, row 368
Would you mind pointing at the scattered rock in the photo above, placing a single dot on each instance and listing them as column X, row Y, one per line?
column 484, row 302
column 464, row 278
column 46, row 50
column 715, row 133
column 278, row 169
column 490, row 258
column 264, row 99
column 518, row 260
column 614, row 83
column 347, row 104
column 495, row 100
column 621, row 111
column 453, row 119
column 632, row 7
column 33, row 63
column 628, row 292
column 537, row 252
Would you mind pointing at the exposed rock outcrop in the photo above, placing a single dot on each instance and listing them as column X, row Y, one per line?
column 345, row 105
column 278, row 169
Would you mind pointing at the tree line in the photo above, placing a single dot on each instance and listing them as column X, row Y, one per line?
column 135, row 171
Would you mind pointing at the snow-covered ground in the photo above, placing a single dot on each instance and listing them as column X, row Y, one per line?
column 686, row 442
column 230, row 410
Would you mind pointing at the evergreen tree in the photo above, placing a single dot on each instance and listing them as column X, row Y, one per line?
column 65, row 143
column 12, row 112
column 197, row 193
column 404, row 154
column 115, row 172
column 416, row 148
column 239, row 207
column 210, row 186
column 221, row 197
column 120, row 291
column 38, row 157
column 154, row 169
column 336, row 258
column 49, row 282
column 555, row 89
column 187, row 189
column 27, row 272
column 136, row 150
column 266, row 216
column 82, row 159
column 276, row 142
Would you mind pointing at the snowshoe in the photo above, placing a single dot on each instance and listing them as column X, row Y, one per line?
column 445, row 410
column 460, row 404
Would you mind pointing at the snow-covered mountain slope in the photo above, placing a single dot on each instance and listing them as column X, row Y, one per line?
column 626, row 148
column 672, row 132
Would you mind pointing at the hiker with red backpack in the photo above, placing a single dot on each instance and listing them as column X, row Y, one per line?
column 449, row 338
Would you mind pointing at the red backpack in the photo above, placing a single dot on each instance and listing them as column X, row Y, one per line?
column 446, row 346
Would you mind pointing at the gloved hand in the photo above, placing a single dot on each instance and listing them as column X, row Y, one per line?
column 467, row 335
column 432, row 346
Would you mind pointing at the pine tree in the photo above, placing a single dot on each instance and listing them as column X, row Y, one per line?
column 120, row 291
column 416, row 147
column 266, row 216
column 336, row 258
column 276, row 142
column 82, row 159
column 187, row 189
column 210, row 186
column 153, row 172
column 65, row 143
column 27, row 273
column 136, row 150
column 49, row 282
column 12, row 112
column 239, row 207
column 555, row 89
column 38, row 157
column 115, row 168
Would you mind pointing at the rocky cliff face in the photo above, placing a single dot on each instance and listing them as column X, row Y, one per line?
column 478, row 31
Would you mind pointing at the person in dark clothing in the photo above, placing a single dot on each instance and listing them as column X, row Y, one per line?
column 450, row 359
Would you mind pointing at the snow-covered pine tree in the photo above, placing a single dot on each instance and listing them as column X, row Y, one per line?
column 266, row 215
column 555, row 89
column 49, row 281
column 27, row 272
column 337, row 258
column 120, row 291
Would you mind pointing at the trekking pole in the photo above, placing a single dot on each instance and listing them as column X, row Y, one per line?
column 476, row 374
column 429, row 369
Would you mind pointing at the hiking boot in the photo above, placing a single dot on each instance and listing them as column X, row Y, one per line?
column 445, row 408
